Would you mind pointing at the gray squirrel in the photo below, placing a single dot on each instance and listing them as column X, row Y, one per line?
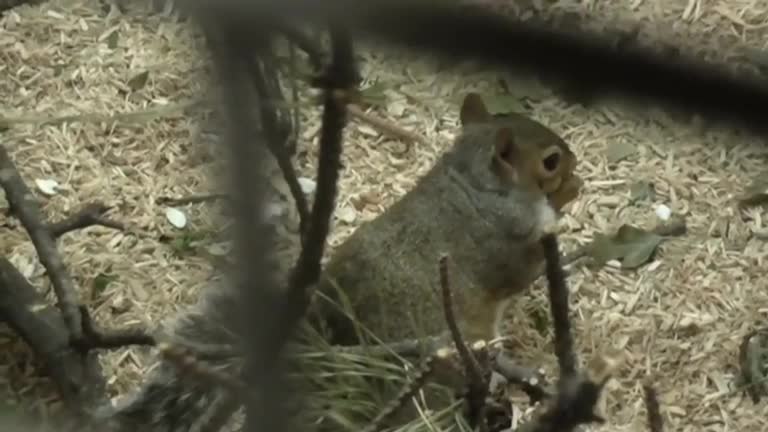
column 486, row 202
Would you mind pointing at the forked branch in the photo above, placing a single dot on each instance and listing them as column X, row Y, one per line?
column 24, row 206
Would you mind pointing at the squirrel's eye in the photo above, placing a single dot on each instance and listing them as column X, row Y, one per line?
column 551, row 162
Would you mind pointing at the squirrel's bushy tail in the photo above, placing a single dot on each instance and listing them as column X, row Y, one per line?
column 169, row 400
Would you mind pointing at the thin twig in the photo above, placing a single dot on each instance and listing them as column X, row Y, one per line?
column 89, row 215
column 577, row 395
column 296, row 118
column 558, row 298
column 191, row 199
column 24, row 206
column 470, row 363
column 477, row 385
column 387, row 127
column 477, row 394
column 277, row 143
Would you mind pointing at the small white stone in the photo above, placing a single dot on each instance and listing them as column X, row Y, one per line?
column 663, row 212
column 176, row 217
column 47, row 186
column 307, row 185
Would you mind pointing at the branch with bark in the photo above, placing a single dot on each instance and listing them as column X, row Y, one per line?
column 577, row 394
column 64, row 338
column 24, row 206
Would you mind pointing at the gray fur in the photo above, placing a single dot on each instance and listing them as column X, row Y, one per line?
column 170, row 402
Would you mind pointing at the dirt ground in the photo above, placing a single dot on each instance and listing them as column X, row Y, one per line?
column 679, row 319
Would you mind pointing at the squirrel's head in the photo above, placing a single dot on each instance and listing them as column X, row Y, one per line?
column 525, row 152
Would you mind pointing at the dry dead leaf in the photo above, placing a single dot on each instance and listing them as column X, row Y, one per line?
column 756, row 193
column 619, row 150
column 137, row 82
column 641, row 191
column 631, row 246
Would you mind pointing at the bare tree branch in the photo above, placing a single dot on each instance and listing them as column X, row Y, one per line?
column 577, row 395
column 97, row 339
column 78, row 376
column 23, row 205
column 89, row 215
column 558, row 299
column 341, row 76
column 192, row 199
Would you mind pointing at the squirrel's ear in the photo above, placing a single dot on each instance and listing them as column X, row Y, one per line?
column 505, row 147
column 473, row 110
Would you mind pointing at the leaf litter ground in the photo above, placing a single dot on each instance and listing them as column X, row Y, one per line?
column 680, row 318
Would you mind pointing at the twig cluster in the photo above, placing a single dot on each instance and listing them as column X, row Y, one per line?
column 64, row 338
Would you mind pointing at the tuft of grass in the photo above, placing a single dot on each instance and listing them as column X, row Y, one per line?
column 344, row 391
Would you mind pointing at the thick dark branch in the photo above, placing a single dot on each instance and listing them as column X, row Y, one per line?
column 655, row 422
column 259, row 320
column 98, row 339
column 339, row 79
column 90, row 215
column 592, row 63
column 577, row 395
column 24, row 206
column 77, row 376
